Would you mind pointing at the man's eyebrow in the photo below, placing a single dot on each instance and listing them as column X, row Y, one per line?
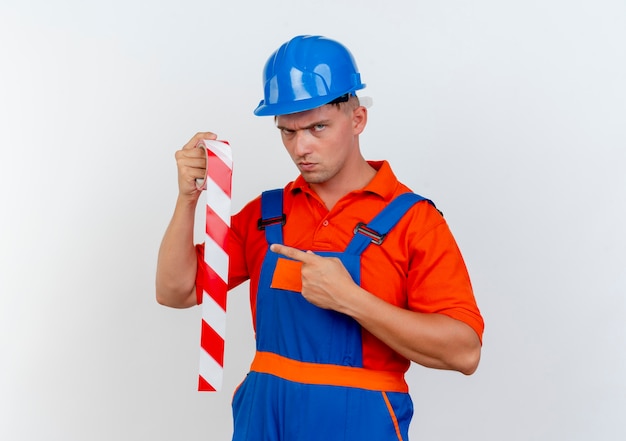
column 324, row 122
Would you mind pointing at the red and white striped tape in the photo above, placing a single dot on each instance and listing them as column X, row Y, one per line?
column 217, row 183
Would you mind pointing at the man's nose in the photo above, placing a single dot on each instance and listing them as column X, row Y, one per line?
column 302, row 143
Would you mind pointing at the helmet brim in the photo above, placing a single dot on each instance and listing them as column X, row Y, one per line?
column 287, row 108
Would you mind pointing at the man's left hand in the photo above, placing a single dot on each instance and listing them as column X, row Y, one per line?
column 325, row 281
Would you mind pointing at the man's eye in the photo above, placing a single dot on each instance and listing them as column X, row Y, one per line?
column 319, row 127
column 287, row 132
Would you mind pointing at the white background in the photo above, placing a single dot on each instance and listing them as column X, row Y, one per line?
column 510, row 115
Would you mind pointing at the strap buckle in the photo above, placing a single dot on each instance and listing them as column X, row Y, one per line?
column 374, row 236
column 262, row 223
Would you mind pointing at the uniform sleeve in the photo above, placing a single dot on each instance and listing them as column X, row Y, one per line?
column 438, row 280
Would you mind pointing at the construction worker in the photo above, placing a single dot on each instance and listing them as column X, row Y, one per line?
column 352, row 275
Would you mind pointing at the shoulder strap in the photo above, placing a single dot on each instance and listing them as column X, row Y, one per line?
column 272, row 216
column 376, row 230
column 272, row 220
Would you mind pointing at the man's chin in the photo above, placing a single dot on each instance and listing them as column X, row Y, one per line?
column 313, row 178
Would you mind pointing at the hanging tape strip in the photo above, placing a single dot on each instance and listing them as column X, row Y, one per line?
column 217, row 183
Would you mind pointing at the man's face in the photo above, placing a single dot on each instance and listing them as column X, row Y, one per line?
column 322, row 141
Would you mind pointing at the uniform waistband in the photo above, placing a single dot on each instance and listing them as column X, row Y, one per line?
column 328, row 374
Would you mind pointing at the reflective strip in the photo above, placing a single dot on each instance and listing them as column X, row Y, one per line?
column 392, row 413
column 217, row 182
column 328, row 374
column 213, row 314
column 219, row 201
column 216, row 258
column 210, row 372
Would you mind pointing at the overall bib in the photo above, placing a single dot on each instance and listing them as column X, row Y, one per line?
column 307, row 381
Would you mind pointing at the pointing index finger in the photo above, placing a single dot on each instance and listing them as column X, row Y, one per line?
column 292, row 253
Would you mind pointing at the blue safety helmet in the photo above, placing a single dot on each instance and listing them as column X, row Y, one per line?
column 305, row 73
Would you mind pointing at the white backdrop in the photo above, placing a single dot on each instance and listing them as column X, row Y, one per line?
column 510, row 115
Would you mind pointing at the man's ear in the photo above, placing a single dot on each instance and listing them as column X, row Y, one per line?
column 359, row 119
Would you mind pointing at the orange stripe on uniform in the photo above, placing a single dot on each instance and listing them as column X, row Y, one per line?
column 392, row 413
column 328, row 374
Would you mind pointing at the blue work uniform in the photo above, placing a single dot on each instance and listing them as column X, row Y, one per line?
column 270, row 407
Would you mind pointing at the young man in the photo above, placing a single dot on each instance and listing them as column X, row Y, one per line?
column 342, row 300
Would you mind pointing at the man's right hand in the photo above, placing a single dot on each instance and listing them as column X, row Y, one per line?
column 177, row 264
column 191, row 163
